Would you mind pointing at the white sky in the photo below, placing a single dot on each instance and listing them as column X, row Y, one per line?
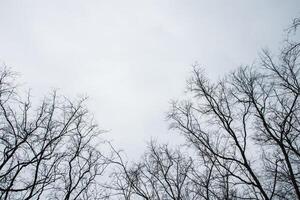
column 132, row 57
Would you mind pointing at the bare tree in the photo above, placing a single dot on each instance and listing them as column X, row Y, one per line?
column 162, row 173
column 247, row 126
column 49, row 152
column 165, row 173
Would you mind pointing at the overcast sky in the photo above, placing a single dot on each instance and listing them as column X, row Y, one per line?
column 132, row 57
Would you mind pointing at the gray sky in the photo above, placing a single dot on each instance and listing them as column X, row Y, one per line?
column 132, row 57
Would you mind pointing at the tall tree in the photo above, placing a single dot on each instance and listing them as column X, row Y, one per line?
column 248, row 124
column 48, row 152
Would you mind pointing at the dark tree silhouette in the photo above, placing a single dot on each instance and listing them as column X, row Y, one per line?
column 247, row 125
column 48, row 152
column 162, row 173
column 165, row 173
